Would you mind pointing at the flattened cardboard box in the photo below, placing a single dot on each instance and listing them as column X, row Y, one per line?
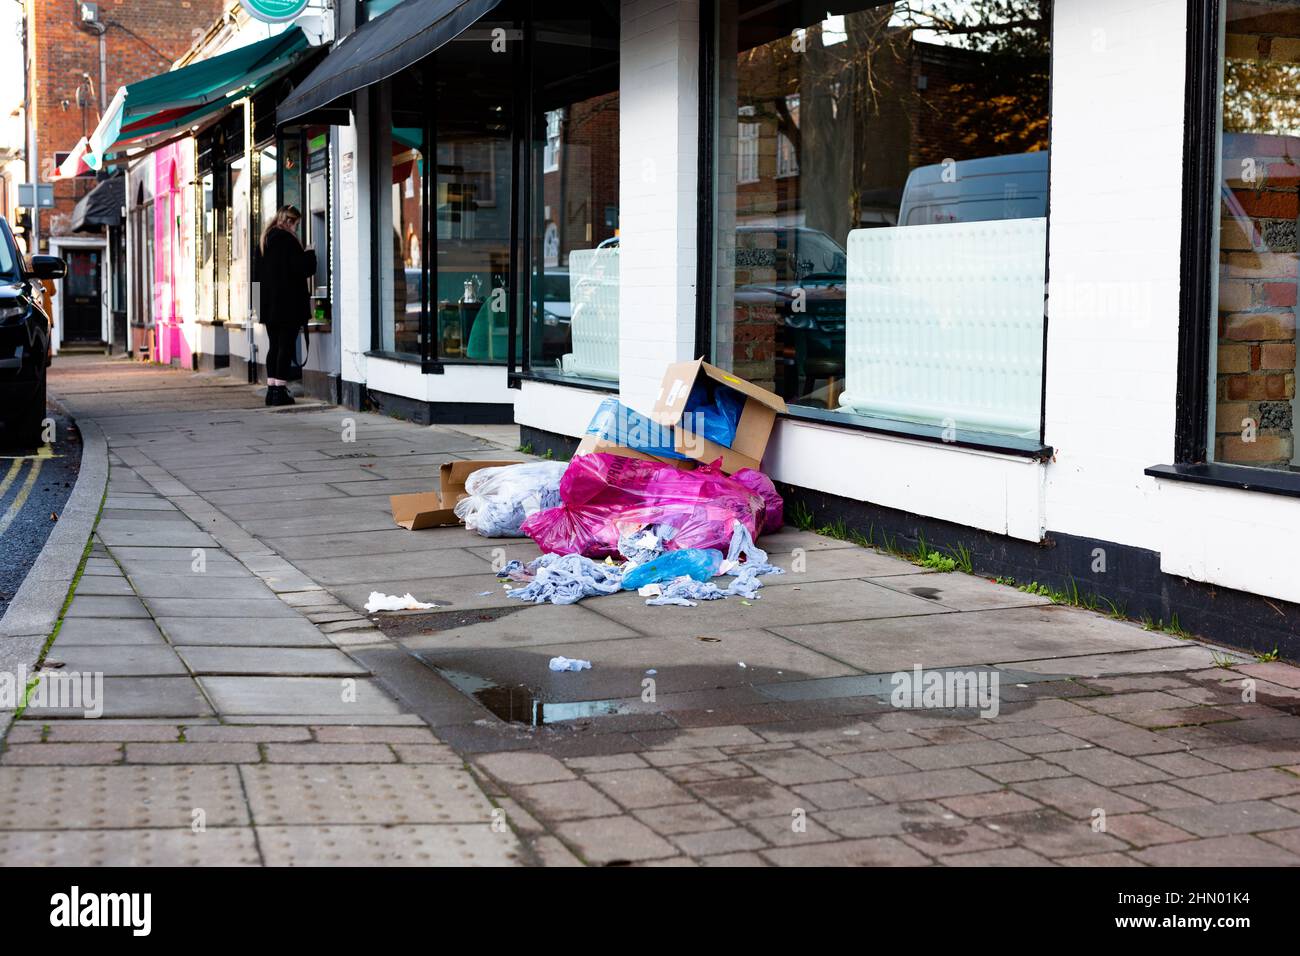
column 752, row 430
column 435, row 509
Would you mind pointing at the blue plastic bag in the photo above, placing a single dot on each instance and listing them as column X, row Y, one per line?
column 713, row 411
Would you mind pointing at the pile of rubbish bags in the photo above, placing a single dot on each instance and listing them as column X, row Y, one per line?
column 671, row 530
column 639, row 508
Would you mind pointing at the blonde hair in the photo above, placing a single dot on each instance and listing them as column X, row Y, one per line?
column 281, row 214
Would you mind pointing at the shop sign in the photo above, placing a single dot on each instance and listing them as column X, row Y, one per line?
column 274, row 11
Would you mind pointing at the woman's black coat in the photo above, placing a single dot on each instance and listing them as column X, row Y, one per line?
column 283, row 271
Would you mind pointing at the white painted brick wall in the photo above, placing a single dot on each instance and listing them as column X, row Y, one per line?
column 658, row 104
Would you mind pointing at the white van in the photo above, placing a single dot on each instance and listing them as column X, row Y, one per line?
column 976, row 190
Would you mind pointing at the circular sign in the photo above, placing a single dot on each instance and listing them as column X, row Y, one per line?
column 274, row 11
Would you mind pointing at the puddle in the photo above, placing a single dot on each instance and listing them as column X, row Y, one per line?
column 520, row 704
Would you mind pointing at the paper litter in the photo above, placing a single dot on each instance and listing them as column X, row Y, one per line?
column 569, row 664
column 388, row 602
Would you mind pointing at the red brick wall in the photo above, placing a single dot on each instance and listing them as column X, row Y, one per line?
column 159, row 32
column 1255, row 348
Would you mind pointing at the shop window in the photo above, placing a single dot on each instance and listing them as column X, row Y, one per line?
column 573, row 330
column 401, row 251
column 880, row 203
column 207, row 211
column 1252, row 340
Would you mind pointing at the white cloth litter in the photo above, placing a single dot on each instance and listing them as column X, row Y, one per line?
column 379, row 601
column 569, row 664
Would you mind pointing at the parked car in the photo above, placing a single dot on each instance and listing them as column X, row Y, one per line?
column 976, row 190
column 799, row 275
column 24, row 340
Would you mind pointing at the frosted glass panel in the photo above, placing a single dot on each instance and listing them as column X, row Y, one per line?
column 593, row 279
column 944, row 324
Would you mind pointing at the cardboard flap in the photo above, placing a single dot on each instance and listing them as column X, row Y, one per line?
column 436, row 509
column 748, row 389
column 680, row 378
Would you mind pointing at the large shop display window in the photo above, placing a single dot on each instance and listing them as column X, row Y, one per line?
column 574, row 122
column 444, row 164
column 880, row 174
column 497, row 168
column 1252, row 364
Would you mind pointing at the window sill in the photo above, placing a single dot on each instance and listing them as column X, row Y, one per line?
column 588, row 384
column 1241, row 477
column 978, row 441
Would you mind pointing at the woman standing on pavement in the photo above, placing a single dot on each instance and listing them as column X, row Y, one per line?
column 285, row 305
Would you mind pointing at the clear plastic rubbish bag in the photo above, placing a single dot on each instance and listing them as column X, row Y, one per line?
column 498, row 500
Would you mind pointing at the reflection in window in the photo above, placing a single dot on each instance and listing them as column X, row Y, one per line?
column 574, row 330
column 207, row 247
column 834, row 139
column 404, row 262
column 1252, row 420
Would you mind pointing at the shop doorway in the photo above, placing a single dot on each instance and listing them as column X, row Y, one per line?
column 83, row 296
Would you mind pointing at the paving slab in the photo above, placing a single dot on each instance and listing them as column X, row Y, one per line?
column 818, row 602
column 105, row 585
column 382, row 568
column 214, row 846
column 113, row 608
column 118, row 660
column 304, row 662
column 364, row 794
column 264, row 610
column 120, row 797
column 290, row 696
column 98, row 630
column 984, row 637
column 524, row 626
column 243, row 631
column 455, row 844
column 140, row 697
column 962, row 592
column 154, row 533
column 1182, row 657
column 196, row 585
column 390, row 540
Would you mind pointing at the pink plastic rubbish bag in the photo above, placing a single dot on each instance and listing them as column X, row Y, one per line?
column 604, row 495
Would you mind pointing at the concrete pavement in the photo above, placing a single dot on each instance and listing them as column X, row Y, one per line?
column 245, row 688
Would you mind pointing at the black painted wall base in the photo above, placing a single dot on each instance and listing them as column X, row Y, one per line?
column 540, row 442
column 1128, row 577
column 207, row 362
column 439, row 413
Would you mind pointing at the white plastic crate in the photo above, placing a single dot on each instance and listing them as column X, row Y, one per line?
column 593, row 293
column 944, row 324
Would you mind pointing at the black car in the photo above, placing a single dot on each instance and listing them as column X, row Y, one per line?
column 24, row 341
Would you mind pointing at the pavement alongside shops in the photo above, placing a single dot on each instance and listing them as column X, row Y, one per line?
column 247, row 691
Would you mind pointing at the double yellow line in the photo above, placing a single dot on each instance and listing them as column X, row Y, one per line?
column 24, row 490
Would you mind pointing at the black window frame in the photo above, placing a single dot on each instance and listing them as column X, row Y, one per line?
column 706, row 244
column 1196, row 308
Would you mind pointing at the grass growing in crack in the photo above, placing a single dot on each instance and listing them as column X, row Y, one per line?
column 526, row 449
column 800, row 516
column 1267, row 657
column 1221, row 660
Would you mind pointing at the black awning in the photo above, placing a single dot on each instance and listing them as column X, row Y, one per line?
column 379, row 49
column 102, row 206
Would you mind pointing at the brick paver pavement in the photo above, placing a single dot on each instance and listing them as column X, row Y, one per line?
column 729, row 734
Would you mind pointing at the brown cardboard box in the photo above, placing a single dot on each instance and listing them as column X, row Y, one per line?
column 594, row 444
column 752, row 431
column 433, row 509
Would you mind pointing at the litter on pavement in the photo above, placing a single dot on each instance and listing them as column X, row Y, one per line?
column 569, row 664
column 388, row 602
column 663, row 504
